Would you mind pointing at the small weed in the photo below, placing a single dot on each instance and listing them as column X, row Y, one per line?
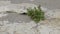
column 36, row 14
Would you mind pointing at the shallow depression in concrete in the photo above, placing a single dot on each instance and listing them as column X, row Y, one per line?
column 14, row 17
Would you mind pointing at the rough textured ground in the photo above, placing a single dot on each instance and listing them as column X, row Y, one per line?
column 21, row 24
column 15, row 23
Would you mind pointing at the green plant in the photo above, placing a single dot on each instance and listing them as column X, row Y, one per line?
column 36, row 14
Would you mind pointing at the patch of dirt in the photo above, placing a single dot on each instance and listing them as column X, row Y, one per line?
column 55, row 22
